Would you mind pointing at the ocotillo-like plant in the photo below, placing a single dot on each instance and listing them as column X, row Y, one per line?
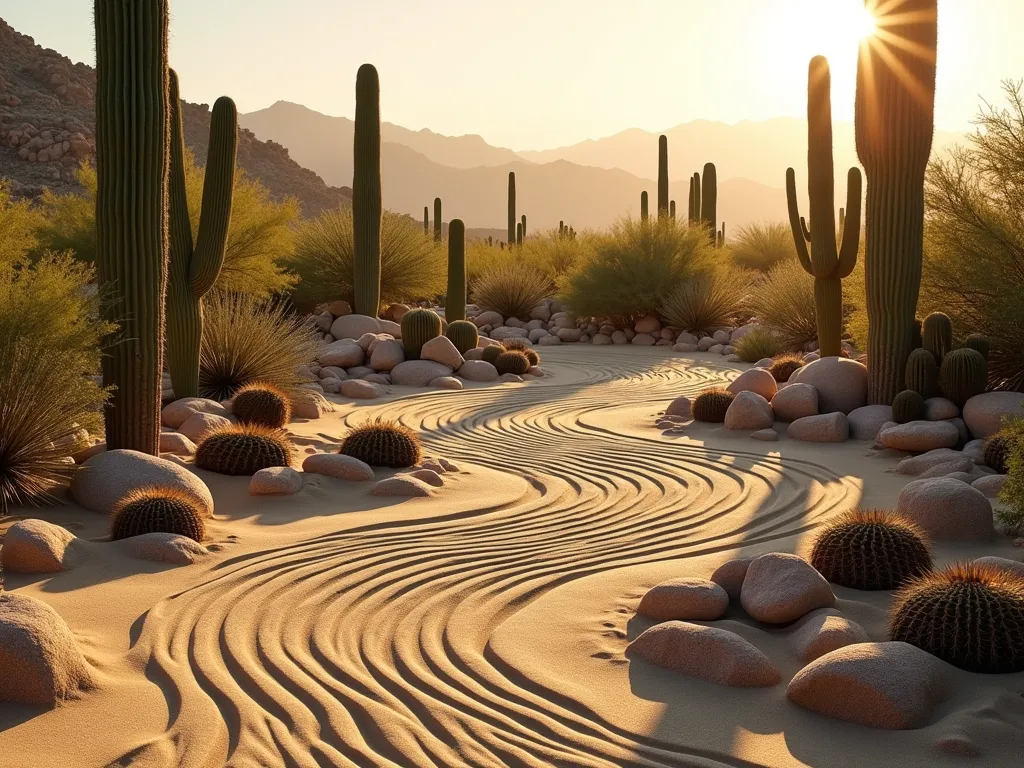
column 366, row 194
column 643, row 205
column 511, row 207
column 437, row 220
column 825, row 262
column 662, row 177
column 708, row 187
column 194, row 266
column 455, row 302
column 895, row 120
column 132, row 156
column 426, row 220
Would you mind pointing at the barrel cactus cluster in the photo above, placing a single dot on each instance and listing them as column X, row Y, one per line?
column 938, row 367
column 418, row 327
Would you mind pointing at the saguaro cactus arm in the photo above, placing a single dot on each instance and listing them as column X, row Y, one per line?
column 218, row 194
column 851, row 225
column 801, row 235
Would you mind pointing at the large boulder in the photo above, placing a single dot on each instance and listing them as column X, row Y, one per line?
column 36, row 546
column 176, row 444
column 865, row 422
column 749, row 411
column 961, row 466
column 648, row 324
column 794, row 401
column 418, row 373
column 490, row 318
column 338, row 465
column 1012, row 567
column 344, row 353
column 40, row 662
column 780, row 588
column 354, row 326
column 107, row 477
column 730, row 575
column 990, row 485
column 825, row 428
column 163, row 548
column 386, row 355
column 358, row 389
column 307, row 404
column 940, row 409
column 947, row 509
column 823, row 631
column 441, row 350
column 879, row 685
column 687, row 599
column 920, row 436
column 755, row 380
column 984, row 414
column 708, row 653
column 177, row 413
column 917, row 465
column 478, row 370
column 842, row 383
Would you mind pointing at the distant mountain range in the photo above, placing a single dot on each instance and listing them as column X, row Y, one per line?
column 589, row 184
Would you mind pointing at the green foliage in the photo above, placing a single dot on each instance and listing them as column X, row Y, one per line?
column 871, row 550
column 412, row 265
column 997, row 453
column 969, row 615
column 383, row 443
column 632, row 269
column 1010, row 513
column 463, row 334
column 707, row 301
column 418, row 327
column 49, row 325
column 262, row 404
column 963, row 374
column 763, row 245
column 908, row 406
column 922, row 375
column 785, row 366
column 18, row 226
column 784, row 301
column 158, row 510
column 512, row 361
column 711, row 404
column 244, row 449
column 511, row 288
column 759, row 344
column 247, row 339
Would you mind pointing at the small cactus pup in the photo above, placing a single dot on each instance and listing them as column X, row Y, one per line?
column 997, row 453
column 922, row 375
column 963, row 374
column 418, row 327
column 871, row 550
column 969, row 615
column 523, row 346
column 512, row 361
column 491, row 352
column 262, row 404
column 383, row 443
column 366, row 194
column 463, row 334
column 158, row 510
column 907, row 407
column 785, row 366
column 244, row 449
column 937, row 335
column 824, row 261
column 711, row 404
column 979, row 343
column 455, row 300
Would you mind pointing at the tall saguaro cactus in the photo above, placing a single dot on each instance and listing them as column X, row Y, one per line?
column 825, row 262
column 455, row 302
column 709, row 200
column 643, row 206
column 519, row 233
column 132, row 165
column 524, row 225
column 438, row 221
column 194, row 266
column 663, row 203
column 695, row 198
column 366, row 194
column 895, row 120
column 426, row 220
column 511, row 207
column 672, row 209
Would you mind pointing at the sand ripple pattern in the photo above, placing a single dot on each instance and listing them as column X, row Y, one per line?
column 370, row 646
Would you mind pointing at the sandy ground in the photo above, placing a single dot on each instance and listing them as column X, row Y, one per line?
column 484, row 626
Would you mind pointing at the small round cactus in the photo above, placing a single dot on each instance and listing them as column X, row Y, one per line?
column 997, row 453
column 383, row 443
column 263, row 405
column 963, row 374
column 158, row 510
column 871, row 549
column 463, row 334
column 907, row 407
column 978, row 343
column 711, row 405
column 512, row 361
column 244, row 449
column 418, row 327
column 785, row 366
column 491, row 352
column 937, row 335
column 969, row 615
column 523, row 346
column 922, row 373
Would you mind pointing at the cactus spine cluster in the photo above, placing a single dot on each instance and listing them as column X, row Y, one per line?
column 244, row 449
column 963, row 374
column 132, row 155
column 463, row 335
column 511, row 207
column 663, row 202
column 437, row 220
column 262, row 404
column 418, row 327
column 908, row 406
column 455, row 301
column 894, row 118
column 708, row 188
column 158, row 510
column 826, row 263
column 194, row 267
column 711, row 405
column 922, row 374
column 366, row 194
column 383, row 443
column 643, row 206
column 785, row 366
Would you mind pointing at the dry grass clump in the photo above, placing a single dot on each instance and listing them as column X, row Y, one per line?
column 511, row 288
column 784, row 301
column 706, row 302
column 762, row 245
column 759, row 344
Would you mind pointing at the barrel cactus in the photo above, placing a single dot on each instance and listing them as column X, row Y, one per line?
column 158, row 510
column 244, row 449
column 908, row 406
column 979, row 343
column 366, row 194
column 785, row 366
column 512, row 361
column 963, row 374
column 523, row 346
column 463, row 334
column 262, row 404
column 455, row 300
column 870, row 550
column 491, row 352
column 922, row 375
column 383, row 443
column 418, row 327
column 937, row 335
column 969, row 615
column 711, row 405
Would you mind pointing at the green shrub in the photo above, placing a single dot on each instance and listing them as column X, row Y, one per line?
column 706, row 302
column 553, row 255
column 759, row 344
column 761, row 246
column 412, row 265
column 510, row 288
column 1011, row 513
column 18, row 225
column 784, row 301
column 247, row 340
column 633, row 269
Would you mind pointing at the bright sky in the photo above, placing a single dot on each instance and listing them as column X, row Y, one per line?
column 536, row 74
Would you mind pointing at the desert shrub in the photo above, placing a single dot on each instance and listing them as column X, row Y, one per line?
column 634, row 268
column 553, row 255
column 784, row 301
column 707, row 301
column 412, row 265
column 511, row 288
column 480, row 257
column 759, row 344
column 158, row 510
column 1010, row 514
column 763, row 245
column 50, row 342
column 383, row 443
column 247, row 339
column 18, row 225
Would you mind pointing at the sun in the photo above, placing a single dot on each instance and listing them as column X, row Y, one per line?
column 863, row 23
column 833, row 28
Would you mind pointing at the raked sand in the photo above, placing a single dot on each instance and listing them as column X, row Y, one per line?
column 484, row 626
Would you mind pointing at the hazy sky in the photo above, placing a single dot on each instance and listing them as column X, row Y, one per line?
column 536, row 74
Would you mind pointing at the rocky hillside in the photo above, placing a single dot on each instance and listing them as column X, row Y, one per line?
column 47, row 128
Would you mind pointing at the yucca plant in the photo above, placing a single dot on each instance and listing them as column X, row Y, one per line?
column 511, row 288
column 706, row 302
column 247, row 339
column 784, row 301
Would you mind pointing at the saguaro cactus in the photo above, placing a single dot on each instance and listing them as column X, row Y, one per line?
column 709, row 199
column 689, row 209
column 132, row 156
column 511, row 207
column 194, row 267
column 895, row 120
column 672, row 208
column 366, row 194
column 643, row 206
column 524, row 225
column 437, row 219
column 696, row 198
column 663, row 203
column 426, row 220
column 519, row 233
column 455, row 302
column 827, row 264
